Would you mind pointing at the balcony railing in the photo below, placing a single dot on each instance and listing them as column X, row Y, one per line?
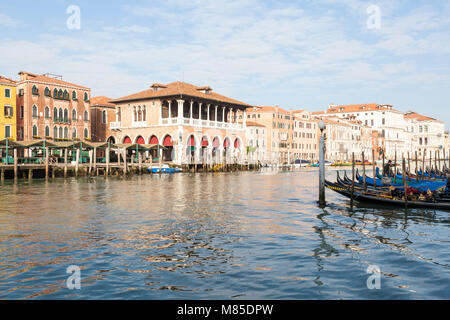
column 200, row 123
column 115, row 125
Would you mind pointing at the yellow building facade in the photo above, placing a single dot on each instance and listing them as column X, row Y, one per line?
column 8, row 110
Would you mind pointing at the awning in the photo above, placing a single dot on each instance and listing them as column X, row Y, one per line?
column 140, row 140
column 127, row 140
column 168, row 141
column 205, row 142
column 154, row 140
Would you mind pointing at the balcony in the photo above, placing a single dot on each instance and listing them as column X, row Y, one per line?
column 139, row 124
column 200, row 123
column 115, row 125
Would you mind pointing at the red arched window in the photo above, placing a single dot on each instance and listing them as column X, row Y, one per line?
column 236, row 143
column 205, row 142
column 127, row 140
column 226, row 143
column 140, row 140
column 168, row 141
column 191, row 141
column 154, row 140
column 216, row 143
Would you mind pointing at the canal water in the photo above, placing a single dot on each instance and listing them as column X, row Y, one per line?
column 249, row 235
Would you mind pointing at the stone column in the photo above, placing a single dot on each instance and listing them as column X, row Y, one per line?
column 170, row 109
column 160, row 112
column 180, row 111
column 244, row 123
column 200, row 112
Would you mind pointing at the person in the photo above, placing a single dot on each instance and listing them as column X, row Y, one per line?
column 387, row 168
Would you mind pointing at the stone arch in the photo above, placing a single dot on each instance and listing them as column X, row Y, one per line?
column 139, row 140
column 126, row 139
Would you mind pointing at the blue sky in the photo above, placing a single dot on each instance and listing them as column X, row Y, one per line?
column 295, row 54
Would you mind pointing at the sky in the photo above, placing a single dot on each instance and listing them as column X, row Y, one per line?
column 294, row 54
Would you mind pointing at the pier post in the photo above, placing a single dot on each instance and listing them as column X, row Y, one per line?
column 405, row 184
column 409, row 164
column 151, row 165
column 417, row 167
column 353, row 179
column 107, row 160
column 65, row 162
column 395, row 163
column 46, row 162
column 16, row 168
column 384, row 173
column 2, row 173
column 140, row 162
column 95, row 160
column 124, row 153
column 435, row 162
column 364, row 170
column 77, row 164
column 132, row 163
column 30, row 174
column 423, row 164
column 322, row 165
column 374, row 168
column 90, row 162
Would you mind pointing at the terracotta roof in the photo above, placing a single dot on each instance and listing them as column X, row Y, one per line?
column 356, row 108
column 417, row 116
column 267, row 109
column 4, row 80
column 254, row 124
column 178, row 88
column 101, row 101
column 49, row 80
column 318, row 112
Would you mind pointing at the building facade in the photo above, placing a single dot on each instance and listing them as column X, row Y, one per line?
column 102, row 112
column 256, row 143
column 194, row 124
column 49, row 108
column 305, row 135
column 8, row 127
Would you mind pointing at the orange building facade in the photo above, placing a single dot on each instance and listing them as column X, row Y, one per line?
column 52, row 109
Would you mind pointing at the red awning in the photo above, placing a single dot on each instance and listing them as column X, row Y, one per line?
column 205, row 142
column 168, row 142
column 140, row 140
column 127, row 140
column 216, row 143
column 191, row 141
column 154, row 140
column 226, row 143
column 236, row 143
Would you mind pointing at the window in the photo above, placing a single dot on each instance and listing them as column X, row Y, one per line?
column 47, row 92
column 66, row 95
column 66, row 133
column 74, row 133
column 47, row 113
column 86, row 133
column 47, row 131
column 35, row 91
column 55, row 132
column 425, row 129
column 55, row 93
column 7, row 93
column 21, row 112
column 8, row 111
column 86, row 97
column 35, row 131
column 86, row 116
column 104, row 117
column 74, row 115
column 7, row 132
column 61, row 114
column 66, row 115
column 55, row 114
column 383, row 121
column 60, row 94
column 74, row 95
column 35, row 111
column 426, row 141
column 61, row 133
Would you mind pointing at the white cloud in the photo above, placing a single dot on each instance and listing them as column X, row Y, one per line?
column 7, row 21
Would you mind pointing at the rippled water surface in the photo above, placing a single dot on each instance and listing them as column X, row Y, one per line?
column 214, row 236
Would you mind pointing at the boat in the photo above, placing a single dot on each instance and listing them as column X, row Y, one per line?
column 439, row 203
column 164, row 169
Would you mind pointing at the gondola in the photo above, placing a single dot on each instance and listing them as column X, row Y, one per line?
column 386, row 199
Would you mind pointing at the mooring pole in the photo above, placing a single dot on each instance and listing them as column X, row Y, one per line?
column 321, row 165
column 353, row 179
column 417, row 167
column 405, row 185
column 383, row 165
column 364, row 170
column 374, row 168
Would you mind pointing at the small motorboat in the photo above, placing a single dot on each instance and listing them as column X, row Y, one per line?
column 164, row 169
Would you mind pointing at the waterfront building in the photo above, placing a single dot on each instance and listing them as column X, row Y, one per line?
column 50, row 108
column 427, row 134
column 8, row 115
column 194, row 124
column 305, row 136
column 256, row 143
column 101, row 112
column 278, row 122
column 389, row 122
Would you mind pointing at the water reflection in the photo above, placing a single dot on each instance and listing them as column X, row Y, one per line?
column 239, row 235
